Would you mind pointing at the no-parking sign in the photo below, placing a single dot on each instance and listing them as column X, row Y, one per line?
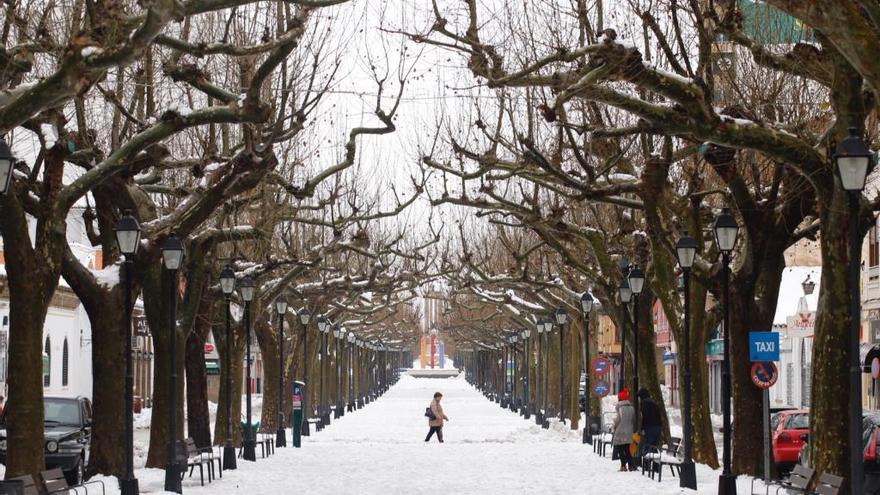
column 601, row 366
column 764, row 374
column 601, row 388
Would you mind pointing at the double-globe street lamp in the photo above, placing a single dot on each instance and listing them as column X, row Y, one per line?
column 172, row 256
column 227, row 286
column 281, row 309
column 247, row 287
column 853, row 162
column 586, row 308
column 338, row 334
column 548, row 327
column 686, row 252
column 304, row 317
column 561, row 317
column 350, row 371
column 726, row 230
column 538, row 405
column 128, row 236
column 323, row 327
column 526, row 393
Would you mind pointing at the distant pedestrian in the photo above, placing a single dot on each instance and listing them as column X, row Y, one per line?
column 651, row 422
column 436, row 423
column 623, row 428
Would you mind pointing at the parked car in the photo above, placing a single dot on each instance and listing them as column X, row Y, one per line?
column 786, row 428
column 67, row 431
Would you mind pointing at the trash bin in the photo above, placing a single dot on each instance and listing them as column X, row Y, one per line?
column 137, row 404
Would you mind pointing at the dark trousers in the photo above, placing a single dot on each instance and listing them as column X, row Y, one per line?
column 435, row 429
column 626, row 460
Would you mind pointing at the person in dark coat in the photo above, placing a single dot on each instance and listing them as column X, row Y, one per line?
column 652, row 424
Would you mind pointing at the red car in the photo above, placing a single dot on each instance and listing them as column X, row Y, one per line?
column 786, row 428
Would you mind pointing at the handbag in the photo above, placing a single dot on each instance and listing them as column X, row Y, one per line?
column 429, row 413
column 634, row 446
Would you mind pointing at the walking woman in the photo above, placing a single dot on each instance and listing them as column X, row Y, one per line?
column 623, row 428
column 436, row 423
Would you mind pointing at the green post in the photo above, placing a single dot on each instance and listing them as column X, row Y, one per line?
column 297, row 417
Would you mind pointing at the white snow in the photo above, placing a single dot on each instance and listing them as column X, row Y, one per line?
column 50, row 134
column 89, row 51
column 108, row 277
column 380, row 450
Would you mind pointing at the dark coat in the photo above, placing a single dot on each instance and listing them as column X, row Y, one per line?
column 650, row 413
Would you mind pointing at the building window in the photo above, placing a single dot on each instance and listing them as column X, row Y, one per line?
column 47, row 369
column 64, row 363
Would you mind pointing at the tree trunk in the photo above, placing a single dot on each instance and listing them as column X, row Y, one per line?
column 219, row 330
column 157, row 288
column 197, row 415
column 267, row 338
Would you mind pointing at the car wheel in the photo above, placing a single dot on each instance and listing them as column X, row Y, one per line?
column 76, row 475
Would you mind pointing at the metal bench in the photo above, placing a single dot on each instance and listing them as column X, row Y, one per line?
column 194, row 458
column 27, row 484
column 829, row 484
column 658, row 457
column 55, row 482
column 798, row 480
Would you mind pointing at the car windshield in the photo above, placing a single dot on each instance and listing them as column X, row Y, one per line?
column 60, row 411
column 797, row 422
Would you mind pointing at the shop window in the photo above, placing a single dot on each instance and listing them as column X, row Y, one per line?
column 873, row 248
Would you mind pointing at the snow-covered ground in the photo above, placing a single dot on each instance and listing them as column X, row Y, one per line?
column 380, row 450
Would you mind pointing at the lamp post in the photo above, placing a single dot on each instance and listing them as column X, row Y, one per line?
column 514, row 406
column 726, row 231
column 561, row 316
column 548, row 327
column 304, row 317
column 128, row 236
column 853, row 161
column 322, row 406
column 350, row 371
column 686, row 252
column 172, row 255
column 539, row 372
column 227, row 285
column 636, row 280
column 625, row 293
column 337, row 330
column 586, row 308
column 526, row 401
column 247, row 288
column 340, row 401
column 281, row 309
column 7, row 161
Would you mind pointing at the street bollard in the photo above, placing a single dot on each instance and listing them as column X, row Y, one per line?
column 297, row 416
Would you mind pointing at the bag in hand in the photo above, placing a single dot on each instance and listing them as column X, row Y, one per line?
column 429, row 413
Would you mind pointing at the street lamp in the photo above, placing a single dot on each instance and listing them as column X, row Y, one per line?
column 624, row 292
column 304, row 317
column 686, row 252
column 548, row 327
column 340, row 397
column 636, row 279
column 247, row 287
column 350, row 371
column 586, row 308
column 227, row 285
column 513, row 398
column 172, row 256
column 7, row 161
column 561, row 316
column 726, row 230
column 281, row 309
column 128, row 235
column 539, row 373
column 337, row 331
column 853, row 161
column 526, row 408
column 808, row 285
column 322, row 408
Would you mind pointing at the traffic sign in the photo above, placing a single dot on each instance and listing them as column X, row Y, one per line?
column 601, row 388
column 763, row 346
column 601, row 366
column 764, row 374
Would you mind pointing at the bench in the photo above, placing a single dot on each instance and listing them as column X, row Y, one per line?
column 829, row 484
column 602, row 441
column 55, row 482
column 267, row 441
column 798, row 480
column 27, row 485
column 194, row 458
column 667, row 455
